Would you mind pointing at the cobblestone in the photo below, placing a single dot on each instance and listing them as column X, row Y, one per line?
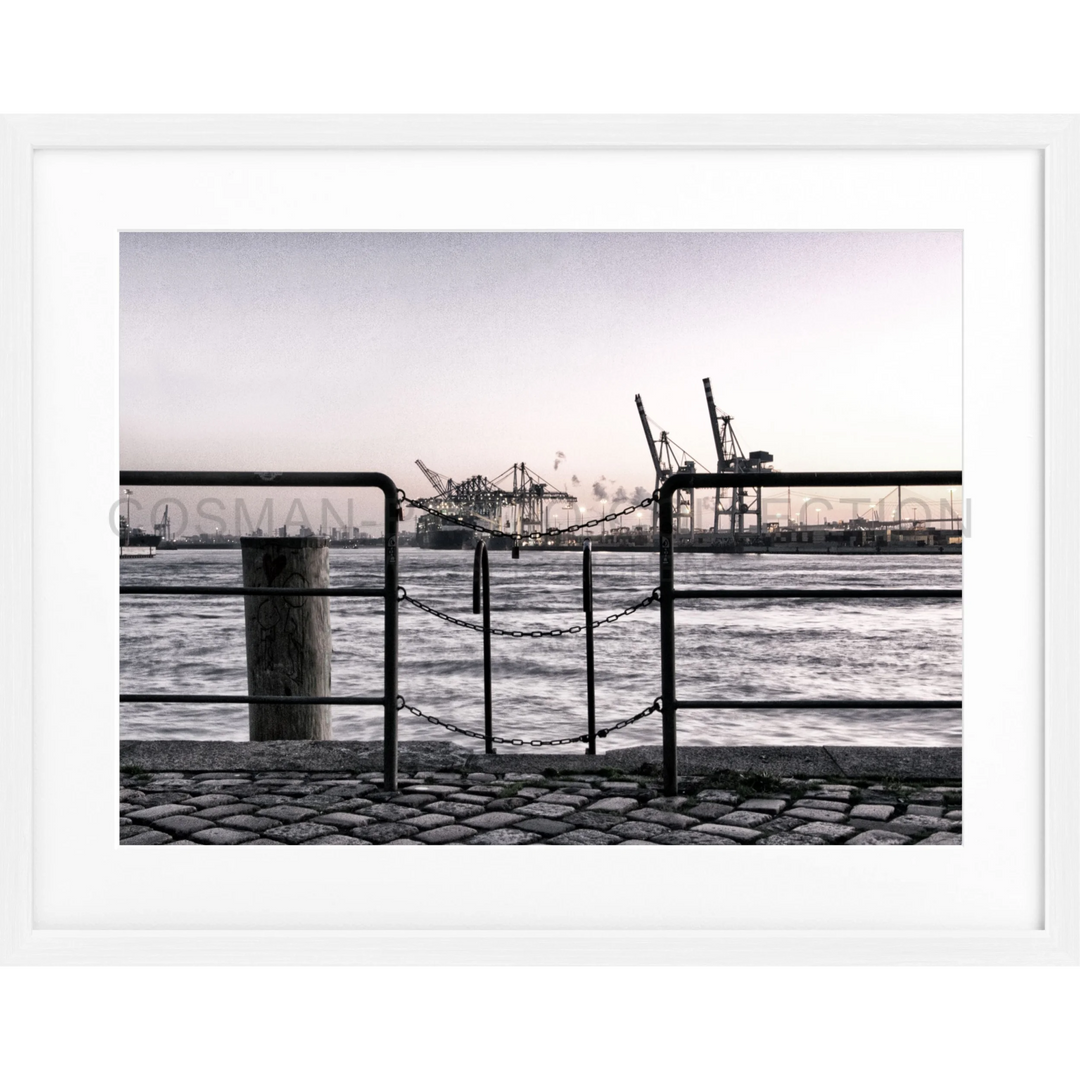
column 787, row 838
column 504, row 836
column 546, row 810
column 288, row 814
column 182, row 824
column 152, row 813
column 769, row 806
column 299, row 832
column 637, row 830
column 744, row 819
column 431, row 821
column 147, row 836
column 251, row 822
column 834, row 834
column 942, row 838
column 732, row 832
column 668, row 818
column 586, row 836
column 490, row 821
column 880, row 838
column 336, row 840
column 616, row 805
column 709, row 811
column 204, row 802
column 390, row 812
column 220, row 835
column 385, row 831
column 692, row 836
column 415, row 800
column 592, row 819
column 447, row 834
column 916, row 825
column 434, row 808
column 668, row 802
column 575, row 802
column 544, row 826
column 214, row 813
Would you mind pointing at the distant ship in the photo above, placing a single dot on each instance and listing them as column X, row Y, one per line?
column 135, row 543
column 438, row 534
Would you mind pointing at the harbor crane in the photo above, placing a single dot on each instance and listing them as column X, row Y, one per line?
column 666, row 463
column 163, row 528
column 525, row 498
column 730, row 459
column 442, row 484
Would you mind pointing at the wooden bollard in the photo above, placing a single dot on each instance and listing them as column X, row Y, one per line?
column 288, row 637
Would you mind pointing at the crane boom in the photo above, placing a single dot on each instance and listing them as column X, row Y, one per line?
column 439, row 482
column 648, row 435
column 715, row 421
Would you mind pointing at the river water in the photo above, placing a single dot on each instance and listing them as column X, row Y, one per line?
column 733, row 649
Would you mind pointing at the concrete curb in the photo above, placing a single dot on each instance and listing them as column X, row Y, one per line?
column 852, row 762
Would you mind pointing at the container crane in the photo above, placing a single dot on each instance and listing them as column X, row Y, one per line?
column 730, row 459
column 163, row 528
column 442, row 484
column 665, row 463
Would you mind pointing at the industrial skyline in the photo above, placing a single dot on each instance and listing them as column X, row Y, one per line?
column 346, row 351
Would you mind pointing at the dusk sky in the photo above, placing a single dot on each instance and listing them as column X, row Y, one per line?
column 365, row 351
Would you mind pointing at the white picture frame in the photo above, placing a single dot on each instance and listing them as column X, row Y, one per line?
column 1056, row 139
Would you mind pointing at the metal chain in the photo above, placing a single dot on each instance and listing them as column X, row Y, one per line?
column 421, row 504
column 600, row 734
column 652, row 598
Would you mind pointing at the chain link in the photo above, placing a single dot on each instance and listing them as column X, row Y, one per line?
column 600, row 734
column 422, row 504
column 652, row 598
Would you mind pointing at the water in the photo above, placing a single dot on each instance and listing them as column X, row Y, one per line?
column 740, row 649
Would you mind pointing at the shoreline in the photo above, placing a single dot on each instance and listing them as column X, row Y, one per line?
column 921, row 763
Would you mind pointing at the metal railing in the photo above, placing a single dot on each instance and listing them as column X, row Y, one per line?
column 670, row 703
column 388, row 592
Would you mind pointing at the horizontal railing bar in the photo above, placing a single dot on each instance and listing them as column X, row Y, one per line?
column 238, row 590
column 157, row 478
column 245, row 699
column 822, row 703
column 820, row 594
column 911, row 478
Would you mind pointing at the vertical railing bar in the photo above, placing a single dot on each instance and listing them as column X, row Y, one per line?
column 489, row 747
column 590, row 665
column 390, row 642
column 482, row 605
column 667, row 644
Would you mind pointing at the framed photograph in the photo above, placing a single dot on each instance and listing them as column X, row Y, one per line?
column 73, row 184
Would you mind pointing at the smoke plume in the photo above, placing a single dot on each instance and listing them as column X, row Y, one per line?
column 599, row 491
column 559, row 456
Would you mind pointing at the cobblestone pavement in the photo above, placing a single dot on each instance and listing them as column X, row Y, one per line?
column 264, row 808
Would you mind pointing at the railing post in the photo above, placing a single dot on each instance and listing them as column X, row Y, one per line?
column 590, row 669
column 667, row 642
column 482, row 604
column 390, row 644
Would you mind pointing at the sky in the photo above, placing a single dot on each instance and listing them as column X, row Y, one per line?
column 470, row 351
